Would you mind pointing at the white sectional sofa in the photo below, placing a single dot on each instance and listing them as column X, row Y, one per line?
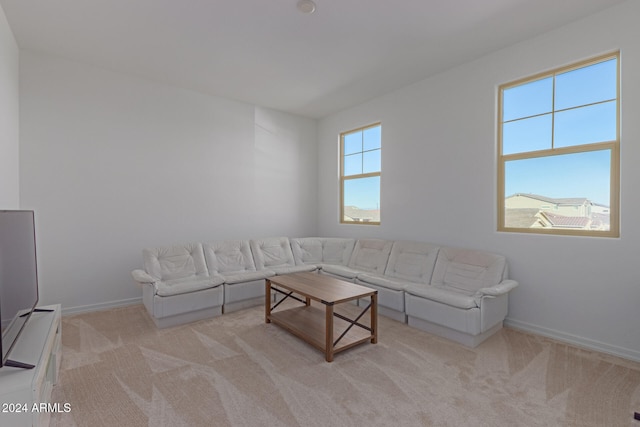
column 243, row 283
column 368, row 256
column 322, row 252
column 466, row 299
column 410, row 263
column 275, row 254
column 460, row 294
column 176, row 285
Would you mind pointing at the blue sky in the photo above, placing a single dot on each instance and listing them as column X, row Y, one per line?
column 582, row 176
column 363, row 193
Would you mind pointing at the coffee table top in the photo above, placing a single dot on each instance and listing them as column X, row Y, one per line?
column 322, row 288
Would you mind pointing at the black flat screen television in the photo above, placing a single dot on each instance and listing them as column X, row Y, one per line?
column 18, row 278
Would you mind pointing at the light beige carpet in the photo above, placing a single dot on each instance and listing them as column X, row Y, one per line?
column 235, row 370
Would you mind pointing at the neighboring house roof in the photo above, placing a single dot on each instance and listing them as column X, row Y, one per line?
column 565, row 221
column 356, row 214
column 526, row 216
column 572, row 201
column 521, row 217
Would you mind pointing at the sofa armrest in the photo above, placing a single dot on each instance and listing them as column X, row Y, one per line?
column 142, row 277
column 501, row 288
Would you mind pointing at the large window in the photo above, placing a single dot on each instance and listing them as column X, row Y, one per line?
column 558, row 151
column 360, row 166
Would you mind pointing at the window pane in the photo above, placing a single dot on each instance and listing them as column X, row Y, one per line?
column 587, row 85
column 527, row 135
column 570, row 191
column 371, row 161
column 595, row 123
column 528, row 99
column 362, row 199
column 353, row 164
column 372, row 138
column 353, row 142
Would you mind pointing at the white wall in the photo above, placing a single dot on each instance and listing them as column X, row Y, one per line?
column 112, row 164
column 9, row 122
column 439, row 184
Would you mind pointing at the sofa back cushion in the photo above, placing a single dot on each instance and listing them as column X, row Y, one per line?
column 412, row 261
column 322, row 250
column 272, row 252
column 175, row 262
column 370, row 255
column 468, row 270
column 229, row 257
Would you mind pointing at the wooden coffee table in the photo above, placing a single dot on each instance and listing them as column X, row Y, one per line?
column 317, row 326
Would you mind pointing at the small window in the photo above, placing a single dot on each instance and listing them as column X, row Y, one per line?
column 360, row 167
column 558, row 151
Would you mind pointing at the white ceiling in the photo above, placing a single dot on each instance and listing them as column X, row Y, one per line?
column 267, row 53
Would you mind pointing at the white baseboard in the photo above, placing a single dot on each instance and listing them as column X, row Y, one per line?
column 101, row 306
column 574, row 340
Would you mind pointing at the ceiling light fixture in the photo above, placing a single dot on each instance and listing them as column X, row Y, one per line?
column 306, row 6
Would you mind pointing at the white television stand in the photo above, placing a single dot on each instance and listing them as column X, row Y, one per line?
column 25, row 394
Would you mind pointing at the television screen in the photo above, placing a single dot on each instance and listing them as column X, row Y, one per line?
column 18, row 275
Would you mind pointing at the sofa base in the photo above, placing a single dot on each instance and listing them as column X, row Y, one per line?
column 242, row 295
column 191, row 316
column 451, row 334
column 179, row 309
column 396, row 315
column 241, row 305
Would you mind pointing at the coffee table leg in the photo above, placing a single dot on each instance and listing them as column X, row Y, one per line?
column 329, row 333
column 374, row 318
column 267, row 301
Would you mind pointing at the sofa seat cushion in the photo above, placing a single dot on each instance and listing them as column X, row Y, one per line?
column 340, row 270
column 445, row 295
column 322, row 265
column 384, row 281
column 247, row 276
column 186, row 285
column 280, row 270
